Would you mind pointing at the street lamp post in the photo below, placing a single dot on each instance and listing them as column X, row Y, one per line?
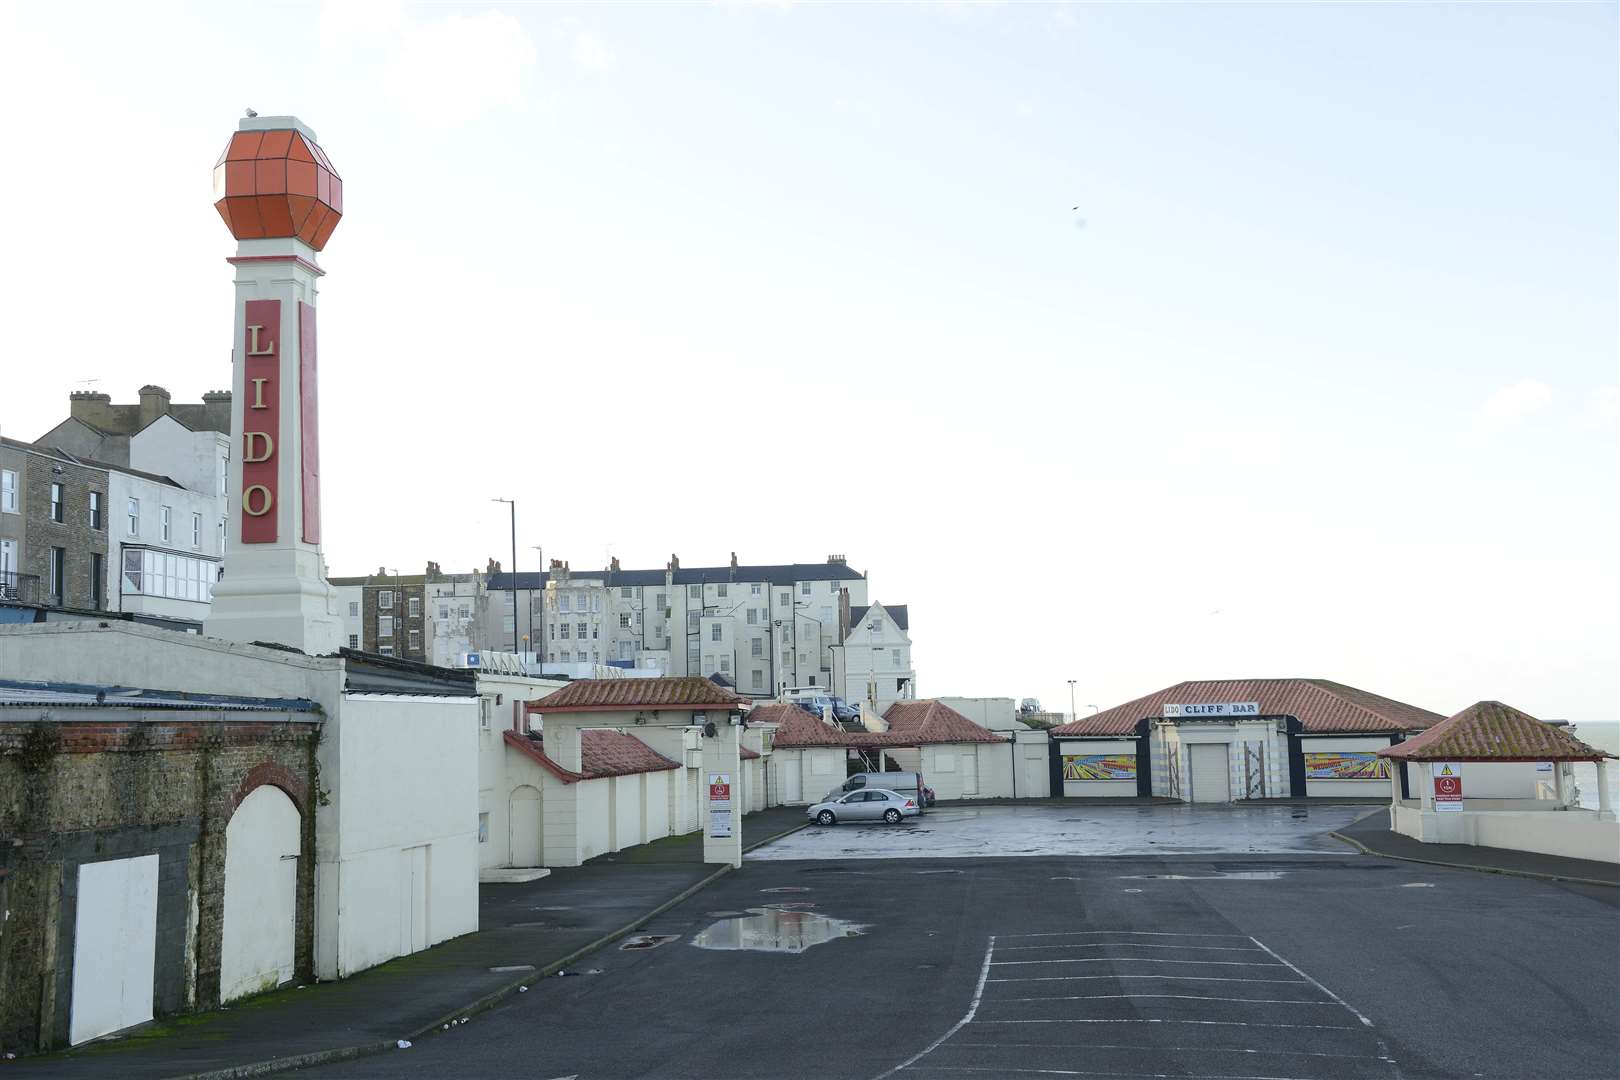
column 1073, row 713
column 512, row 506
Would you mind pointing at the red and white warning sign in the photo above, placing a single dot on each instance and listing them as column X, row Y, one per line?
column 719, row 787
column 1448, row 788
column 719, row 805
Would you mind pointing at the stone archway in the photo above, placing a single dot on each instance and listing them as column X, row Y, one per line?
column 258, row 936
column 523, row 817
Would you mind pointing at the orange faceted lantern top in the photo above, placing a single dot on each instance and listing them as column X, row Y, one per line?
column 277, row 183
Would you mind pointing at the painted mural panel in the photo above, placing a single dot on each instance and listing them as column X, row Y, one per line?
column 1099, row 766
column 1348, row 765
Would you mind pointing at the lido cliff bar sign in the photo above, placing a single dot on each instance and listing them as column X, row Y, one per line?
column 261, row 421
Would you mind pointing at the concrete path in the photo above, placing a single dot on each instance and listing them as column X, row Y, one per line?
column 1046, row 828
column 525, row 929
column 1373, row 835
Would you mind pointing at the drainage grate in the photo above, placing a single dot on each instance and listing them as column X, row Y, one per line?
column 647, row 941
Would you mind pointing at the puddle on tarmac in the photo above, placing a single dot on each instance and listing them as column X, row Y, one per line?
column 773, row 929
column 1235, row 875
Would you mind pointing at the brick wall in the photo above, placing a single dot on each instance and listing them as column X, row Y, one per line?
column 404, row 622
column 73, row 533
column 110, row 782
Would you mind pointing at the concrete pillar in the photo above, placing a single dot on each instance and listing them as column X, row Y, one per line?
column 1605, row 798
column 1560, row 793
column 721, row 804
column 1425, row 779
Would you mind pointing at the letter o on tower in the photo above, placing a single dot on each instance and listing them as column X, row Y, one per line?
column 265, row 502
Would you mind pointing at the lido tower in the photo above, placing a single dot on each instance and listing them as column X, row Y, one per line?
column 281, row 199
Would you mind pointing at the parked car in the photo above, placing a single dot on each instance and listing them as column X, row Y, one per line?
column 867, row 804
column 821, row 704
column 909, row 784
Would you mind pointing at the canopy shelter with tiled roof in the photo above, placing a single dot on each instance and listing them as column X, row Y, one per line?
column 1492, row 731
column 1478, row 779
column 929, row 721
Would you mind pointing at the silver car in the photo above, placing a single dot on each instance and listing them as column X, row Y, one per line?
column 867, row 804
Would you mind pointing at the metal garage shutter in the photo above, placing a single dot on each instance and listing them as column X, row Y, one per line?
column 1209, row 772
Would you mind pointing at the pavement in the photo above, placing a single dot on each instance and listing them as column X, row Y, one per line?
column 535, row 926
column 1068, row 828
column 1307, row 966
column 1373, row 835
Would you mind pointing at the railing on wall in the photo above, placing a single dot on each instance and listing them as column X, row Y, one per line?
column 23, row 588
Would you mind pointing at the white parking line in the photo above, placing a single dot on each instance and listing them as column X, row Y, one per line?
column 973, row 1007
column 1179, row 997
column 1183, row 978
column 1183, row 1049
column 1132, row 945
column 1133, row 960
column 1133, row 933
column 1129, row 1075
column 1161, row 1020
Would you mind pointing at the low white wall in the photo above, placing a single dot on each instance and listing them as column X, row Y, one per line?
column 655, row 808
column 1575, row 834
column 593, row 807
column 1103, row 747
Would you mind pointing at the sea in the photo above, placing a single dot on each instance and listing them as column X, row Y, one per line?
column 1605, row 735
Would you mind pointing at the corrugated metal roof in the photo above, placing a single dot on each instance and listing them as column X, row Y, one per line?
column 1492, row 731
column 1320, row 705
column 672, row 692
column 21, row 694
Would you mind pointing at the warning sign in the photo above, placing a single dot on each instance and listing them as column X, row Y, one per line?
column 1448, row 786
column 720, row 787
column 719, row 804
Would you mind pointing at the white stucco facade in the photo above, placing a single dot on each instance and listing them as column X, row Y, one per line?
column 163, row 547
column 875, row 663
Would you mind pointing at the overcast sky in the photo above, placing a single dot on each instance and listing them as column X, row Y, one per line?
column 1318, row 380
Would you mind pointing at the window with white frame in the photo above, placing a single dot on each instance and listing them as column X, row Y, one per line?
column 714, row 632
column 354, row 608
column 626, row 592
column 483, row 827
column 662, row 602
column 804, row 588
column 624, row 620
column 691, row 622
column 196, row 530
column 416, row 640
column 596, row 629
column 444, row 612
column 385, row 650
column 756, row 647
column 694, row 592
column 8, row 491
column 461, row 611
column 759, row 679
column 97, row 505
column 720, row 590
column 725, row 662
column 385, row 626
column 385, row 599
column 564, row 628
column 896, row 654
column 354, row 641
column 581, row 631
column 56, row 502
column 753, row 617
column 708, row 661
column 787, row 598
column 166, row 523
column 564, row 603
column 413, row 607
column 161, row 573
column 8, row 559
column 755, row 588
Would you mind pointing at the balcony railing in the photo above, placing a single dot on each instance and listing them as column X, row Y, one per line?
column 23, row 588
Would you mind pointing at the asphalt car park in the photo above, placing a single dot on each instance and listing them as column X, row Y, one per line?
column 1312, row 965
column 968, row 832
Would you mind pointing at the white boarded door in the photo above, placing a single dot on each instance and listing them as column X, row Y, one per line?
column 414, row 900
column 1210, row 772
column 261, row 894
column 114, row 946
column 523, row 826
column 970, row 774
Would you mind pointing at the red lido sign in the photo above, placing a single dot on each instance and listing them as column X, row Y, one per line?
column 261, row 420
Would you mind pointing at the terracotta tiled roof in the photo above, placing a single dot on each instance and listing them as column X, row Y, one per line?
column 602, row 754
column 928, row 722
column 681, row 692
column 1318, row 704
column 746, row 753
column 1492, row 731
column 796, row 729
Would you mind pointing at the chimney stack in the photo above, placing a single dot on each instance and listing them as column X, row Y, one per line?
column 674, row 562
column 613, row 564
column 154, row 403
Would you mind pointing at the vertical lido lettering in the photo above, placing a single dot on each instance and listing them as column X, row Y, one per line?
column 261, row 423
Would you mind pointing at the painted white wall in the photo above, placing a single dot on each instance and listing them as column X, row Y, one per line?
column 869, row 664
column 595, row 806
column 405, row 776
column 1575, row 834
column 114, row 946
column 625, row 813
column 151, row 497
column 261, row 894
column 197, row 460
column 523, row 842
